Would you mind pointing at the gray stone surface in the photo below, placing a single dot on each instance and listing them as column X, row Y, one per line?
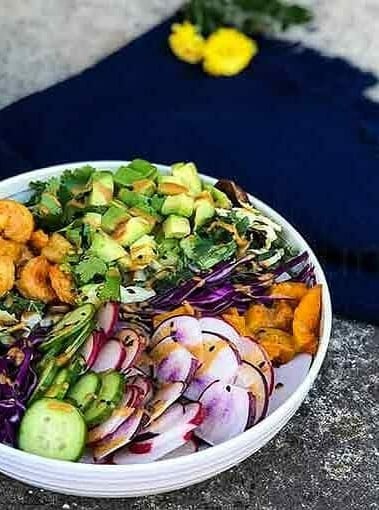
column 327, row 456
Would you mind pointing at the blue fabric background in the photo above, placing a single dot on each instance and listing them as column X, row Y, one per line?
column 294, row 129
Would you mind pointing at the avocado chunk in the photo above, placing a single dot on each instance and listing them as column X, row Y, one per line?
column 143, row 252
column 93, row 219
column 136, row 170
column 129, row 232
column 113, row 217
column 220, row 198
column 169, row 252
column 104, row 247
column 176, row 227
column 188, row 176
column 170, row 185
column 204, row 211
column 145, row 187
column 181, row 205
column 102, row 188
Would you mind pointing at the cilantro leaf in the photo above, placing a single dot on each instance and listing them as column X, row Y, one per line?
column 110, row 290
column 17, row 304
column 88, row 268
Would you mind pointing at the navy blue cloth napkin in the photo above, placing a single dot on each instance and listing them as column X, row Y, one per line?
column 293, row 129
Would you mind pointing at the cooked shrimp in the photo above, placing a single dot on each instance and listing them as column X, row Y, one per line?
column 62, row 284
column 39, row 240
column 16, row 221
column 34, row 282
column 6, row 274
column 25, row 256
column 57, row 248
column 11, row 249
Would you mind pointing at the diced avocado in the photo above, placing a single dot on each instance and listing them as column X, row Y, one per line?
column 187, row 174
column 204, row 211
column 178, row 204
column 143, row 252
column 220, row 198
column 106, row 248
column 102, row 188
column 170, row 185
column 89, row 293
column 145, row 187
column 93, row 219
column 136, row 170
column 176, row 227
column 149, row 215
column 125, row 263
column 112, row 218
column 129, row 232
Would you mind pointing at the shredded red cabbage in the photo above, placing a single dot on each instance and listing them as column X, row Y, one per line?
column 17, row 381
column 222, row 288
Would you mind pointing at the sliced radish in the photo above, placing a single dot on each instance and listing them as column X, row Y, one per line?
column 167, row 420
column 163, row 399
column 101, row 432
column 288, row 378
column 136, row 396
column 185, row 329
column 189, row 447
column 254, row 354
column 146, row 387
column 221, row 362
column 252, row 379
column 111, row 356
column 173, row 362
column 120, row 437
column 156, row 447
column 133, row 344
column 228, row 411
column 107, row 317
column 219, row 327
column 92, row 347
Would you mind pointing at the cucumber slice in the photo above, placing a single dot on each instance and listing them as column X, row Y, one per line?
column 110, row 395
column 85, row 390
column 68, row 326
column 112, row 387
column 54, row 429
column 60, row 385
column 46, row 379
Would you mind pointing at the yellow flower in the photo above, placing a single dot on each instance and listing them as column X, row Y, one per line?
column 186, row 42
column 227, row 52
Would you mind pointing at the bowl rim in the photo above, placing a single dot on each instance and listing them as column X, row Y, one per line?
column 204, row 456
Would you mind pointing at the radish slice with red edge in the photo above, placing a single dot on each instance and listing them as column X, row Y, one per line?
column 157, row 446
column 251, row 378
column 228, row 411
column 221, row 362
column 120, row 437
column 173, row 362
column 185, row 329
column 107, row 317
column 288, row 378
column 189, row 447
column 255, row 354
column 104, row 430
column 163, row 399
column 111, row 356
column 146, row 387
column 92, row 347
column 167, row 420
column 219, row 327
column 133, row 344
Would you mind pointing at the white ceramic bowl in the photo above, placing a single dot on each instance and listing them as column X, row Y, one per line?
column 165, row 475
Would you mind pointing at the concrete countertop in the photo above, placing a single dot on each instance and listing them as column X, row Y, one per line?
column 326, row 457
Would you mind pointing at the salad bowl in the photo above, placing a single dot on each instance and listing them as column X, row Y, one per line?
column 110, row 481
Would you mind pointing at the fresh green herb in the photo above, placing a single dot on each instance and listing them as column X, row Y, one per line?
column 18, row 304
column 110, row 289
column 88, row 268
column 204, row 253
column 248, row 16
